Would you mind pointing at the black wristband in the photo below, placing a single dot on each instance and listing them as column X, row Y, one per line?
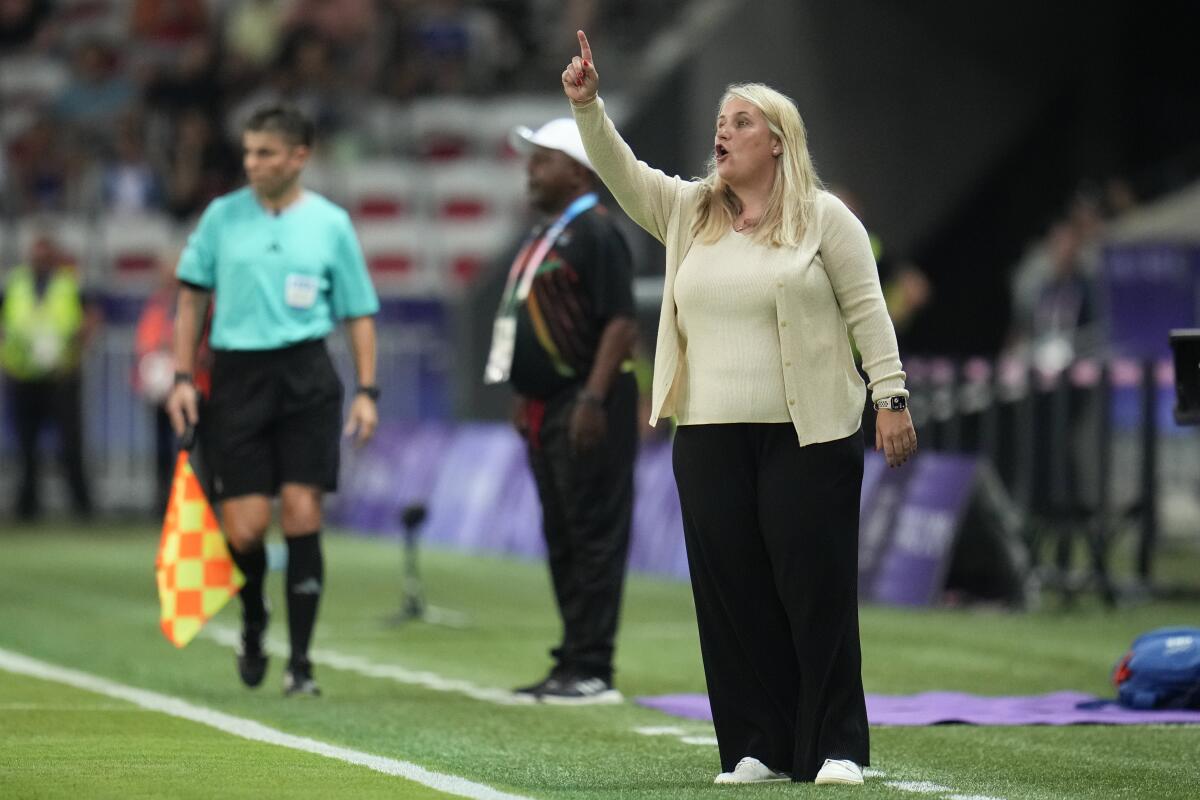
column 183, row 377
column 370, row 391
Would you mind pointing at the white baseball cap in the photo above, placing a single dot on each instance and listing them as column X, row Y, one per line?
column 558, row 134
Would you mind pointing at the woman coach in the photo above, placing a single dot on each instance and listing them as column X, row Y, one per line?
column 765, row 274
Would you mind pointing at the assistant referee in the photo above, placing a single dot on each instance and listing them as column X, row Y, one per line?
column 281, row 264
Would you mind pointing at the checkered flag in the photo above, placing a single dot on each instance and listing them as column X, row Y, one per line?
column 196, row 575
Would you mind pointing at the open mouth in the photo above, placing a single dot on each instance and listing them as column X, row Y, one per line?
column 720, row 152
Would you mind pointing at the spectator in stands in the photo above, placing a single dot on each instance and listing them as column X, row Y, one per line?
column 562, row 338
column 251, row 34
column 129, row 183
column 340, row 22
column 318, row 87
column 307, row 78
column 99, row 92
column 765, row 274
column 273, row 420
column 200, row 167
column 42, row 170
column 21, row 21
column 189, row 80
column 459, row 49
column 1062, row 327
column 169, row 23
column 46, row 325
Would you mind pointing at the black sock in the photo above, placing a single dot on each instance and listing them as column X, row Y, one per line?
column 305, row 574
column 253, row 564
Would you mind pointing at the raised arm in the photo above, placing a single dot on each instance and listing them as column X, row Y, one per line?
column 647, row 195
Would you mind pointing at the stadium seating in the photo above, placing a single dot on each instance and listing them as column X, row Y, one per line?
column 133, row 247
column 463, row 251
column 476, row 189
column 384, row 189
column 400, row 255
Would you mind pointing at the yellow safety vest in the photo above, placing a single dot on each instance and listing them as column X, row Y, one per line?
column 41, row 334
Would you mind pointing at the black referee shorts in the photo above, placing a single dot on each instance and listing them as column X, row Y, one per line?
column 274, row 417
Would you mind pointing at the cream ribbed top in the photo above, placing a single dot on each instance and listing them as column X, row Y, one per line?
column 830, row 289
column 729, row 333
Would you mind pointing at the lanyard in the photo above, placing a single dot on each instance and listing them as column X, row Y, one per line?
column 520, row 277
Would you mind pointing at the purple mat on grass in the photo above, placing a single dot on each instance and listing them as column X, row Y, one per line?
column 935, row 708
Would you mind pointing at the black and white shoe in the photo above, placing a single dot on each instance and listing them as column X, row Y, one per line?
column 251, row 655
column 298, row 680
column 535, row 690
column 579, row 690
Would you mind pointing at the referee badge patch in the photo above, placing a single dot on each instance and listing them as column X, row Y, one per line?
column 300, row 291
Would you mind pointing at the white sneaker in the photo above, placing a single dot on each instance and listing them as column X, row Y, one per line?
column 840, row 771
column 751, row 770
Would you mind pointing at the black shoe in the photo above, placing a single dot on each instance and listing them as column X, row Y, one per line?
column 535, row 689
column 298, row 680
column 251, row 657
column 579, row 690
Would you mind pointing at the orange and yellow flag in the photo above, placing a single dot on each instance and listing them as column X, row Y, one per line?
column 196, row 575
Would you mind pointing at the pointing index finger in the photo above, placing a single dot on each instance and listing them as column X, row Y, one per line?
column 585, row 49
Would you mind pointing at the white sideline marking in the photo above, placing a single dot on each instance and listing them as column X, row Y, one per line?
column 374, row 669
column 248, row 729
column 230, row 637
column 706, row 741
column 679, row 733
column 72, row 709
column 660, row 730
column 919, row 787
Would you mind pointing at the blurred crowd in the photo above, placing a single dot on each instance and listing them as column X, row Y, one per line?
column 134, row 105
column 1056, row 315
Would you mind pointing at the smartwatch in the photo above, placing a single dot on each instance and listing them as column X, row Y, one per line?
column 370, row 391
column 891, row 404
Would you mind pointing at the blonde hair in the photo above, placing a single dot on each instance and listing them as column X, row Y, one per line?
column 789, row 206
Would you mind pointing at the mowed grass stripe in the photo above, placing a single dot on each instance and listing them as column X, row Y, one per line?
column 248, row 729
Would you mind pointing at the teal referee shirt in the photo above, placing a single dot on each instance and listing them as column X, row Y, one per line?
column 278, row 279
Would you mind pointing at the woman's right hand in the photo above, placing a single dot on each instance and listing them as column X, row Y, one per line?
column 580, row 79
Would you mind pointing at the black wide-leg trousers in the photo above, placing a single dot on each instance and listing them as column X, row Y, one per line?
column 772, row 541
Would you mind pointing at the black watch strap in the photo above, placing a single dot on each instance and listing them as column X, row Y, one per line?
column 370, row 391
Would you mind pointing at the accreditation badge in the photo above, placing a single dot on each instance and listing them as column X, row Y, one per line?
column 500, row 357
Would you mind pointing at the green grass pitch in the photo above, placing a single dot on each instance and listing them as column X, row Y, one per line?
column 86, row 600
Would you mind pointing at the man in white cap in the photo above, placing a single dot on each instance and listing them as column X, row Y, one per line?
column 563, row 338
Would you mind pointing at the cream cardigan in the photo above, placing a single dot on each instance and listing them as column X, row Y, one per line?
column 834, row 284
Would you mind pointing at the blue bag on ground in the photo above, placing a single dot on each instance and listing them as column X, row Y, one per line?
column 1161, row 670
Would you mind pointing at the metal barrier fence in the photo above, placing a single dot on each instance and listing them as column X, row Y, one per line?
column 1090, row 452
column 415, row 360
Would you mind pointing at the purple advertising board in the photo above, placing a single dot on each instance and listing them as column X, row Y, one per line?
column 475, row 483
column 911, row 558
